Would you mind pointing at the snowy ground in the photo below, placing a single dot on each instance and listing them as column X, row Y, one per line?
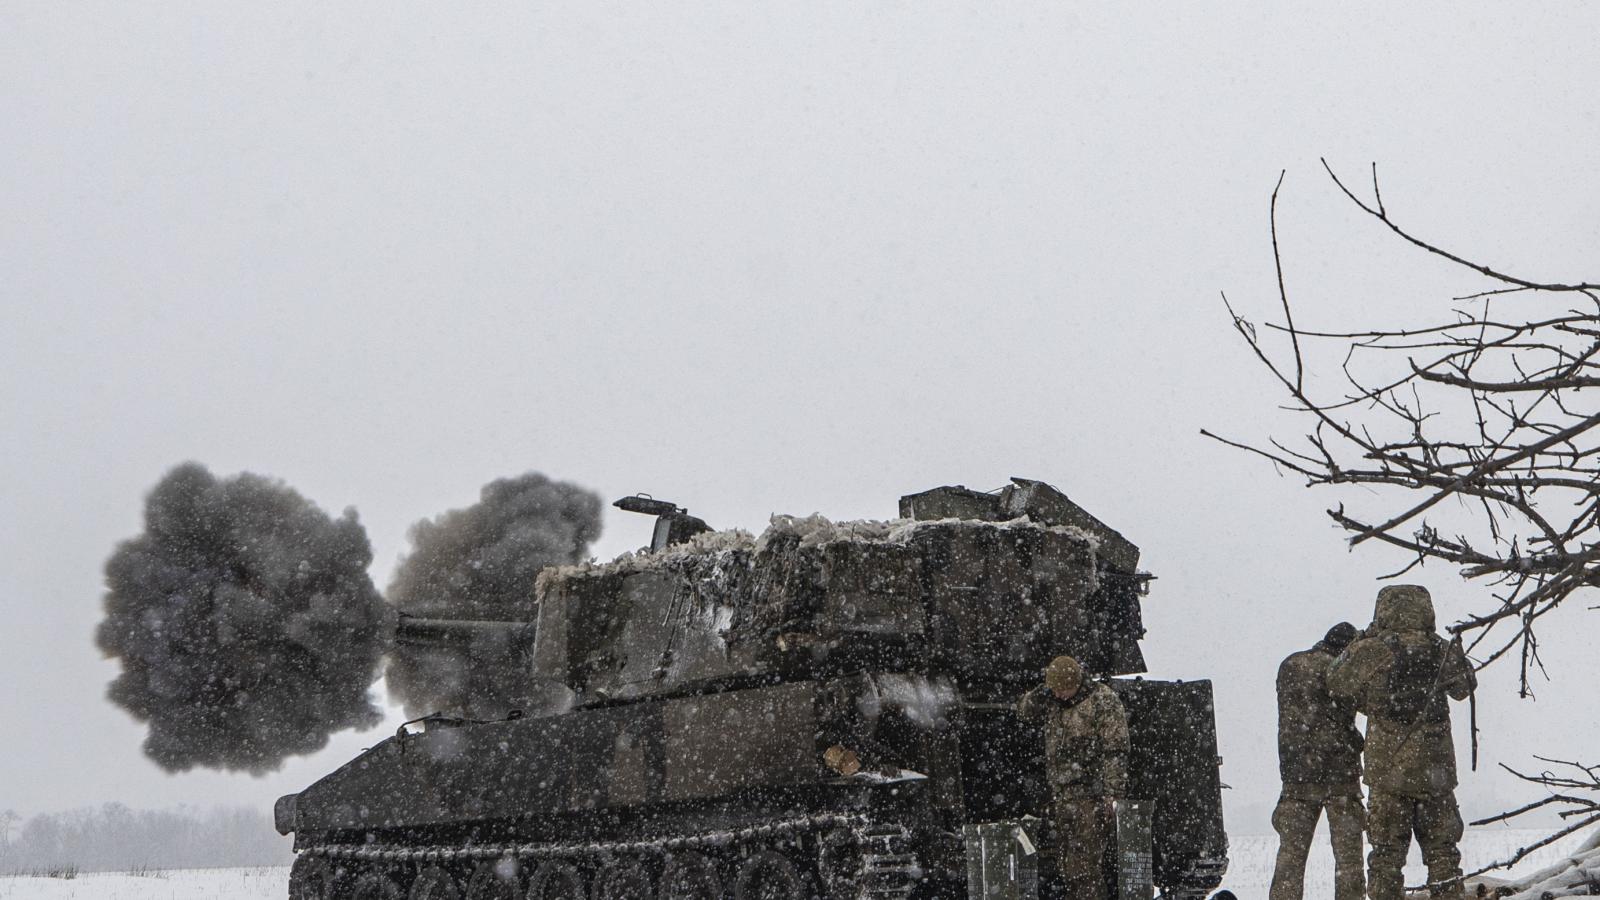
column 1248, row 877
column 1250, row 866
column 193, row 884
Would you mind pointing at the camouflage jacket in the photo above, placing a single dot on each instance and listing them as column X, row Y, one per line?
column 1400, row 675
column 1085, row 740
column 1318, row 742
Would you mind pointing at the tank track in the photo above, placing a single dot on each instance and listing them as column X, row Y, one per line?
column 885, row 867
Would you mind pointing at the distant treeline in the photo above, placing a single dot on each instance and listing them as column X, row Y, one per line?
column 115, row 838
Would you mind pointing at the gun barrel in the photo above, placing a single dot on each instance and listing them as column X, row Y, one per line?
column 460, row 632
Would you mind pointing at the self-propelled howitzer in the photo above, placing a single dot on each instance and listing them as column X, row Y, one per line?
column 825, row 711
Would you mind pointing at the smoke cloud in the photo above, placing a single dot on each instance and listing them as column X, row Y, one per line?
column 245, row 622
column 480, row 563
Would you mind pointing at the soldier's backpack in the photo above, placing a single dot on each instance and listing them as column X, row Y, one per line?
column 1414, row 691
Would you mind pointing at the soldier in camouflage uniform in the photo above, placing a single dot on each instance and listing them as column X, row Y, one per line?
column 1086, row 758
column 1319, row 758
column 1400, row 675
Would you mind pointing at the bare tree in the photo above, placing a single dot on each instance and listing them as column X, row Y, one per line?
column 1475, row 438
column 1571, row 786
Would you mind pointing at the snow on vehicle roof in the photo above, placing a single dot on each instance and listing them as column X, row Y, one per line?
column 703, row 547
column 814, row 530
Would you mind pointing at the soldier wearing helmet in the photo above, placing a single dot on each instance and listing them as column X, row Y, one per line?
column 1319, row 759
column 1086, row 758
column 1400, row 674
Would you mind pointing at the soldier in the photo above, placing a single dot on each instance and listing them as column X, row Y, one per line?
column 1399, row 674
column 1319, row 759
column 1086, row 759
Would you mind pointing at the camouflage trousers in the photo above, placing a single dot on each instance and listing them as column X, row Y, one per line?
column 1392, row 819
column 1295, row 820
column 1086, row 830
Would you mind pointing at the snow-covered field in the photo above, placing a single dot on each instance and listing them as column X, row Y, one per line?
column 1250, row 859
column 191, row 884
column 1249, row 875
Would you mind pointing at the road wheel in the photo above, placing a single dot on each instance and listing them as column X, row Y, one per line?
column 690, row 876
column 556, row 880
column 311, row 878
column 495, row 880
column 376, row 886
column 769, row 875
column 622, row 878
column 435, row 884
column 839, row 862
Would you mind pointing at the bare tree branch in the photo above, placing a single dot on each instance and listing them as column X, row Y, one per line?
column 1383, row 216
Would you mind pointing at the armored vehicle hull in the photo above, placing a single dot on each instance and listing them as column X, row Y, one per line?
column 818, row 713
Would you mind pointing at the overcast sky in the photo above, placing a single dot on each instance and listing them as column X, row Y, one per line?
column 752, row 258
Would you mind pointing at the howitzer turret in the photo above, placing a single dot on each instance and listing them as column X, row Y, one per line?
column 820, row 711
